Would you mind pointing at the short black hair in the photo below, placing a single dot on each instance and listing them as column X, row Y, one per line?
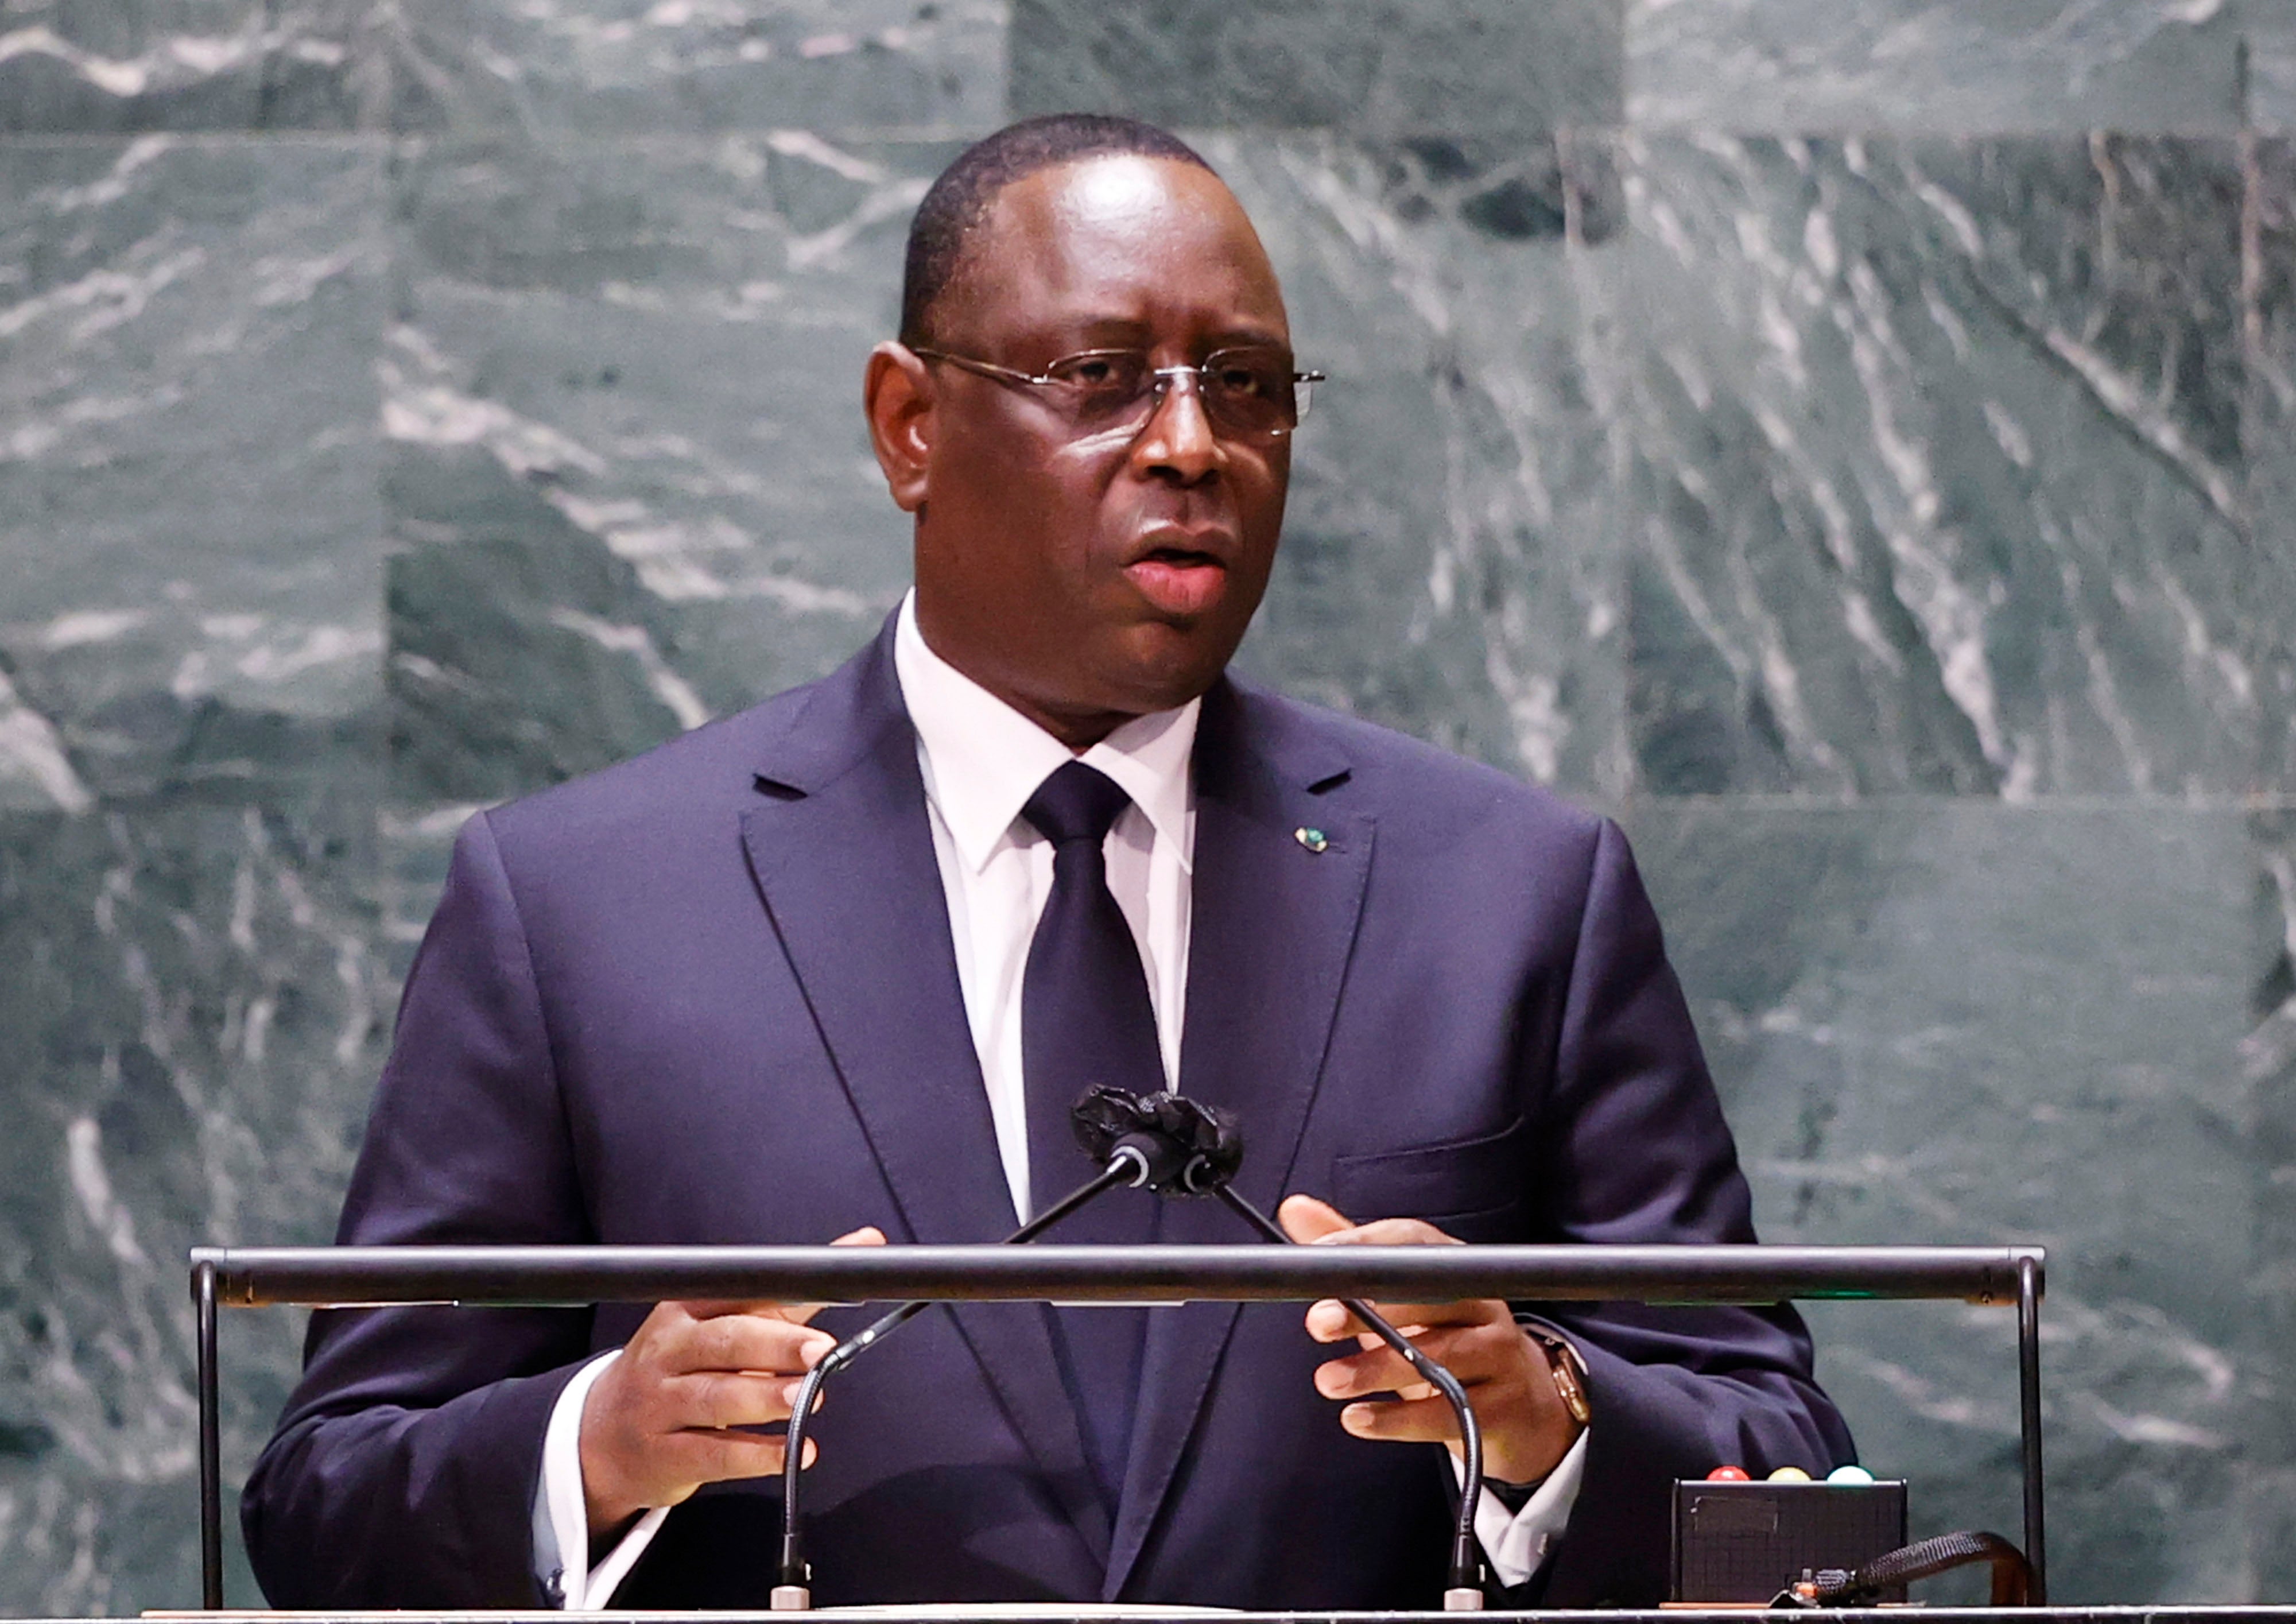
column 958, row 202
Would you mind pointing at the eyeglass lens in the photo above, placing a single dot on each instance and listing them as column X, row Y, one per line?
column 1247, row 391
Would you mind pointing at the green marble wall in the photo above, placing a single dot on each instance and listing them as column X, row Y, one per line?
column 1853, row 441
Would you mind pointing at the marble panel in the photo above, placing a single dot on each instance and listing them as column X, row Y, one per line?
column 1957, row 67
column 1521, row 68
column 590, row 69
column 1449, row 562
column 1934, row 467
column 190, row 652
column 2269, row 1064
column 630, row 486
column 1948, row 1022
column 632, row 490
column 190, row 523
column 195, row 1012
column 2269, row 439
column 96, row 67
column 2268, row 29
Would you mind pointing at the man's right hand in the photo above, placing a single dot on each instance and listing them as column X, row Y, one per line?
column 662, row 1420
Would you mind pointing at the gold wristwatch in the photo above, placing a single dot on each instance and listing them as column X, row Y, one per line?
column 1567, row 1366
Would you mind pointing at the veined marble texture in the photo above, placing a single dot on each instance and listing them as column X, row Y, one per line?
column 1940, row 1020
column 632, row 489
column 1806, row 67
column 2269, row 430
column 191, row 646
column 194, row 1011
column 569, row 66
column 1871, row 468
column 2269, row 29
column 585, row 68
column 1936, row 467
column 1449, row 560
column 189, row 504
column 1388, row 68
column 629, row 485
column 83, row 65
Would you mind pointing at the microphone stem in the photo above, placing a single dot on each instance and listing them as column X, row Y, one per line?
column 1116, row 1174
column 796, row 1575
column 1466, row 1563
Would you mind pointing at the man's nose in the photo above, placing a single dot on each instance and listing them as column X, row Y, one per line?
column 1177, row 439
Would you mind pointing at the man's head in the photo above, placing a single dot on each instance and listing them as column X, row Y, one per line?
column 1083, row 565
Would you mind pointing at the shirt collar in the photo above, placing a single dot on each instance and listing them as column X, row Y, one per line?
column 984, row 759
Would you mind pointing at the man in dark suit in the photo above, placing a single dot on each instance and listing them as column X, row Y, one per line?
column 834, row 967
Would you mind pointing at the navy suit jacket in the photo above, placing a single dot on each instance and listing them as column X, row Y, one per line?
column 709, row 996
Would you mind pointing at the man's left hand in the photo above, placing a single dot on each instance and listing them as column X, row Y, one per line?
column 1526, row 1429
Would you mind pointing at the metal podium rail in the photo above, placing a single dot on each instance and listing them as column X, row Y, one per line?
column 579, row 1276
column 992, row 1612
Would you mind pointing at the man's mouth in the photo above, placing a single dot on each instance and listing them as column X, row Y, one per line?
column 1179, row 580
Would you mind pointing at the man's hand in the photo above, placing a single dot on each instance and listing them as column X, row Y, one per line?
column 1526, row 1429
column 661, row 1420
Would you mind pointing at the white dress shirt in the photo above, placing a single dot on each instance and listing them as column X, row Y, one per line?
column 981, row 761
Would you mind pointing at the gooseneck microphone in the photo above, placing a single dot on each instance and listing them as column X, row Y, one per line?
column 1208, row 1148
column 1140, row 1144
column 1174, row 1146
column 1462, row 1592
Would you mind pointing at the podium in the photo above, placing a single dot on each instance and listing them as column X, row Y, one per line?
column 989, row 1614
column 578, row 1276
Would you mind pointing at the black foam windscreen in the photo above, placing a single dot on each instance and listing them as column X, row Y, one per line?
column 1195, row 1148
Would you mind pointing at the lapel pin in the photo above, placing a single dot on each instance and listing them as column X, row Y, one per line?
column 1314, row 840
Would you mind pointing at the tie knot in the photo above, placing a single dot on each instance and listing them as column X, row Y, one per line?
column 1076, row 803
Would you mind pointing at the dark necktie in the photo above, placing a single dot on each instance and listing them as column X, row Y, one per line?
column 1085, row 1019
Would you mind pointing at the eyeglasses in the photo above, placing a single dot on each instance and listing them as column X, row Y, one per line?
column 1247, row 393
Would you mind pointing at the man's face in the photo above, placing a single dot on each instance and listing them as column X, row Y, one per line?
column 1089, row 577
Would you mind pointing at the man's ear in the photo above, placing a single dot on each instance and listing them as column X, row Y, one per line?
column 898, row 397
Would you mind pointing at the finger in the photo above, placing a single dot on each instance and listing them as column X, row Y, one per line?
column 1424, row 1316
column 1386, row 1232
column 712, row 1456
column 716, row 1399
column 761, row 1343
column 1329, row 1321
column 794, row 1313
column 787, row 1313
column 1385, row 1386
column 1380, row 1369
column 1332, row 1321
column 1308, row 1220
column 1417, row 1421
column 799, row 1313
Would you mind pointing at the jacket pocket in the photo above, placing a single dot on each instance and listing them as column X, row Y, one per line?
column 1474, row 1189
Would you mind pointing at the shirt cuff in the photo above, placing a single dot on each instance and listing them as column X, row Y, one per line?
column 1517, row 1543
column 561, row 1519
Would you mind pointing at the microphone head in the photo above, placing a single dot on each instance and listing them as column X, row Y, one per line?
column 1189, row 1149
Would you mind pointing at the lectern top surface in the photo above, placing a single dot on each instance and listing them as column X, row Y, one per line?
column 987, row 1612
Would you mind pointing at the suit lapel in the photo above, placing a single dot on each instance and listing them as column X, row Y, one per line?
column 1274, row 923
column 841, row 847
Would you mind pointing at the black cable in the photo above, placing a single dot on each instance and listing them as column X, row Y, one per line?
column 1174, row 1146
column 1466, row 1562
column 2013, row 1575
column 1126, row 1166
